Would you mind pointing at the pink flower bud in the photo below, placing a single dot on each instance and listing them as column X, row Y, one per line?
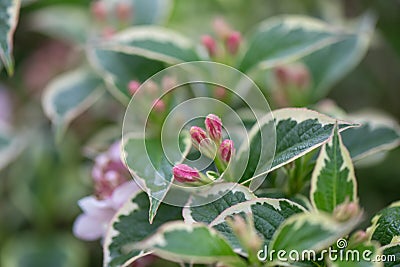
column 232, row 42
column 221, row 28
column 159, row 105
column 210, row 44
column 292, row 75
column 226, row 150
column 133, row 86
column 214, row 127
column 99, row 10
column 124, row 11
column 220, row 92
column 198, row 135
column 185, row 174
column 168, row 83
column 108, row 32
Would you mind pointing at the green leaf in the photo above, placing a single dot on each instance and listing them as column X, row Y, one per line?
column 361, row 255
column 218, row 198
column 196, row 243
column 130, row 225
column 287, row 38
column 309, row 231
column 51, row 21
column 151, row 11
column 137, row 54
column 331, row 63
column 377, row 133
column 153, row 42
column 11, row 145
column 70, row 94
column 147, row 162
column 267, row 214
column 298, row 131
column 386, row 224
column 118, row 69
column 9, row 12
column 392, row 254
column 333, row 181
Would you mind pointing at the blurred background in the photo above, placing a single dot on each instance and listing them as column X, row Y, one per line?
column 40, row 187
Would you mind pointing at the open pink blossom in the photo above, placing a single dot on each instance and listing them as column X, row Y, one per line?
column 97, row 213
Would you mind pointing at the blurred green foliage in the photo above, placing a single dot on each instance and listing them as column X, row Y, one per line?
column 39, row 191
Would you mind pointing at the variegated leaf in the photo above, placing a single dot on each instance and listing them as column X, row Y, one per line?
column 11, row 145
column 287, row 38
column 360, row 255
column 268, row 214
column 137, row 54
column 130, row 225
column 9, row 12
column 70, row 94
column 217, row 199
column 147, row 162
column 333, row 181
column 309, row 231
column 386, row 224
column 298, row 131
column 392, row 254
column 195, row 243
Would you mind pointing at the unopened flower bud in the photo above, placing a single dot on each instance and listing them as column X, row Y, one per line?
column 245, row 231
column 99, row 10
column 292, row 75
column 214, row 127
column 359, row 237
column 346, row 211
column 159, row 105
column 108, row 32
column 220, row 92
column 210, row 44
column 233, row 41
column 221, row 28
column 198, row 135
column 226, row 150
column 133, row 86
column 168, row 83
column 124, row 11
column 185, row 174
column 202, row 142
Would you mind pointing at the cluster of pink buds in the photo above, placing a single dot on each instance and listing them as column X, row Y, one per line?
column 121, row 12
column 210, row 143
column 291, row 82
column 230, row 39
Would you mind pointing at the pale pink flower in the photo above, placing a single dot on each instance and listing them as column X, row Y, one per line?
column 97, row 213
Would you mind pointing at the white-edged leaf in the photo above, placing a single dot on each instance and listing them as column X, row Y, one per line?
column 330, row 64
column 378, row 133
column 386, row 224
column 146, row 161
column 195, row 243
column 130, row 225
column 153, row 42
column 268, row 214
column 333, row 181
column 70, row 94
column 360, row 255
column 11, row 144
column 218, row 198
column 309, row 231
column 51, row 21
column 298, row 131
column 9, row 12
column 287, row 38
column 392, row 254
